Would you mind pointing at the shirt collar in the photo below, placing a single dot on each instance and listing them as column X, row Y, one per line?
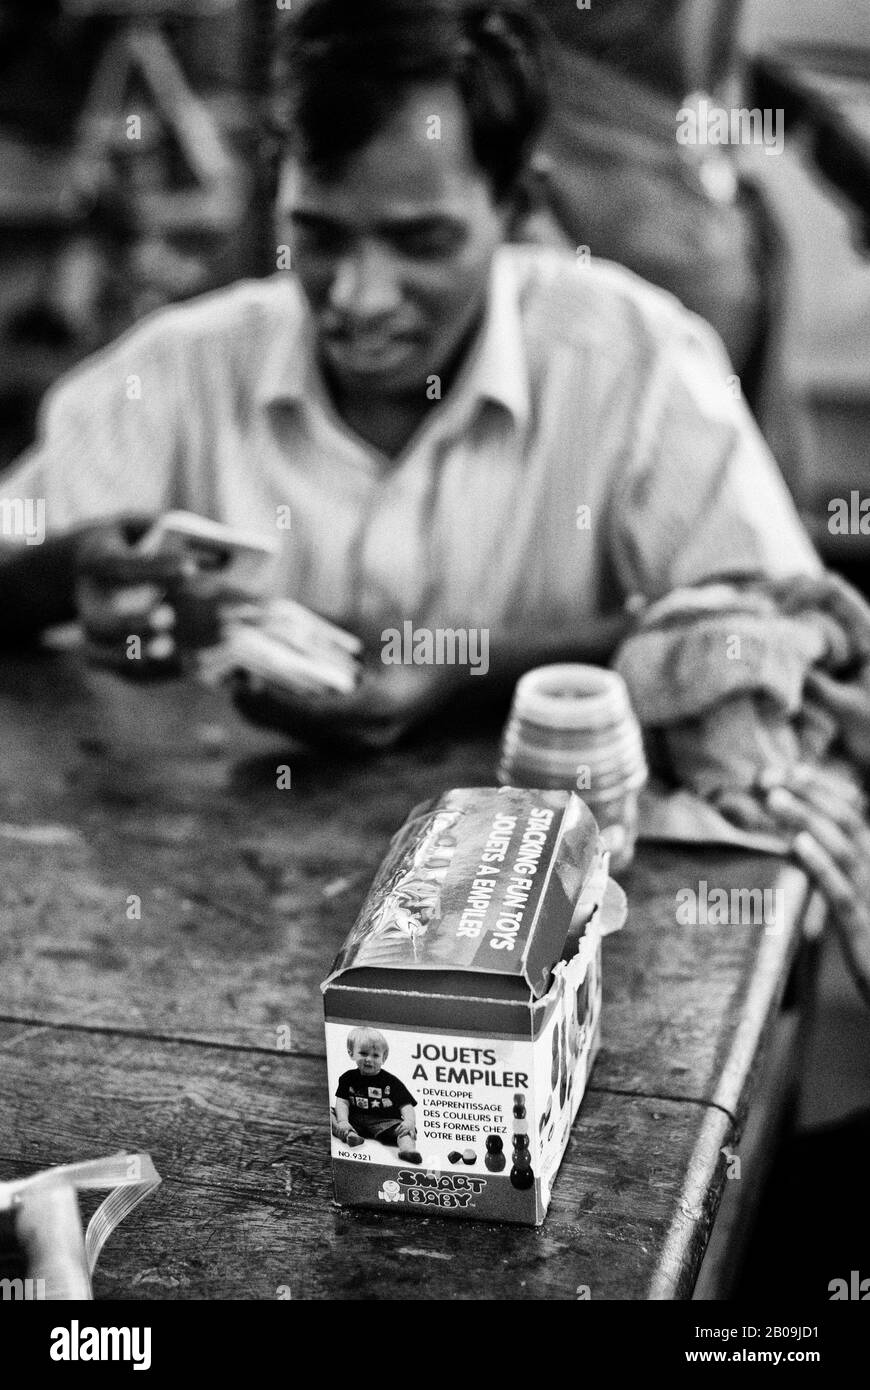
column 285, row 373
column 495, row 370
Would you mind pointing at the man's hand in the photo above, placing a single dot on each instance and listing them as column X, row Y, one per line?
column 823, row 814
column 141, row 613
column 745, row 758
column 849, row 702
column 387, row 703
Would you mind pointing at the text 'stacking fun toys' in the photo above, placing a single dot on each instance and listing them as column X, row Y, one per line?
column 462, row 1012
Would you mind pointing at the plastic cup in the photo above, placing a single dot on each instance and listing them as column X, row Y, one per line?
column 572, row 727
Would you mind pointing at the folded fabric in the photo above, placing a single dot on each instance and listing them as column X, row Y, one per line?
column 681, row 817
column 755, row 697
column 799, row 649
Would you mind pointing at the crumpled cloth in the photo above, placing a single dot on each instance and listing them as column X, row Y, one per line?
column 728, row 680
column 679, row 816
column 748, row 692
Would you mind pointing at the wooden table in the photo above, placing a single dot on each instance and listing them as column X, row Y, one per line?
column 165, row 1033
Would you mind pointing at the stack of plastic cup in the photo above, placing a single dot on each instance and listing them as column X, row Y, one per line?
column 573, row 727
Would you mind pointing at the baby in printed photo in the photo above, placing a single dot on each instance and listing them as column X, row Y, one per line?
column 371, row 1103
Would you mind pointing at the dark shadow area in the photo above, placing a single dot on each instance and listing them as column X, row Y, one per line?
column 814, row 1223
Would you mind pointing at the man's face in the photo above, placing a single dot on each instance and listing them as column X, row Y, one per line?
column 393, row 255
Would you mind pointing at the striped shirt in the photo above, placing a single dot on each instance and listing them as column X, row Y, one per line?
column 593, row 447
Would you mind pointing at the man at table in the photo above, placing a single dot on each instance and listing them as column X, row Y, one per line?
column 463, row 435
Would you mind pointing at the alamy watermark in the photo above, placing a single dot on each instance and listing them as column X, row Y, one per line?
column 22, row 1290
column 736, row 907
column 23, row 518
column 440, row 646
column 856, row 1290
column 705, row 123
column 849, row 517
column 77, row 1343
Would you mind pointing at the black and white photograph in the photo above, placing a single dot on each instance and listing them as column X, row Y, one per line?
column 434, row 671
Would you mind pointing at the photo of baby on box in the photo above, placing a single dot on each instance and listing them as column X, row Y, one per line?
column 371, row 1103
column 474, row 968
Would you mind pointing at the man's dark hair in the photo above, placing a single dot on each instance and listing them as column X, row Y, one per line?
column 346, row 63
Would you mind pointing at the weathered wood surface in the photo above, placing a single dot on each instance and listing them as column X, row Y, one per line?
column 241, row 1141
column 247, row 890
column 162, row 1033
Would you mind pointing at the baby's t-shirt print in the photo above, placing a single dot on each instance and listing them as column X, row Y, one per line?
column 383, row 1095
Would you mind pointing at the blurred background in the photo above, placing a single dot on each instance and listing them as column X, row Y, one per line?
column 131, row 173
column 134, row 171
column 771, row 246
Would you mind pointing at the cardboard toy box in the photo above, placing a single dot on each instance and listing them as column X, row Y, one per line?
column 462, row 1013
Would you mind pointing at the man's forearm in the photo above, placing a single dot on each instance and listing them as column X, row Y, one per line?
column 37, row 587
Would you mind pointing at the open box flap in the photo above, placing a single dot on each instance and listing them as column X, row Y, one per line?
column 462, row 886
column 613, row 910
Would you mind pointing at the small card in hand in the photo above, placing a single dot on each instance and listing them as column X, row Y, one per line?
column 211, row 545
column 288, row 646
